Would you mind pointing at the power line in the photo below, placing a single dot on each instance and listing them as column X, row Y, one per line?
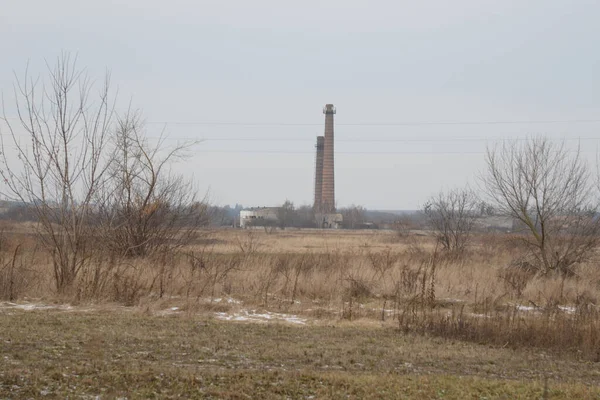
column 383, row 124
column 337, row 152
column 287, row 152
column 376, row 140
column 362, row 152
column 202, row 140
column 443, row 139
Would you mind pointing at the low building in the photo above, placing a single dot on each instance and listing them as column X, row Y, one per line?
column 259, row 216
column 330, row 221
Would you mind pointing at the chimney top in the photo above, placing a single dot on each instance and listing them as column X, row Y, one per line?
column 329, row 109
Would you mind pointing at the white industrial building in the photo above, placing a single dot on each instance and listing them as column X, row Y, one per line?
column 259, row 216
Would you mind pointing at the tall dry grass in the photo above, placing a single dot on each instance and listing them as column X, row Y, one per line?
column 480, row 295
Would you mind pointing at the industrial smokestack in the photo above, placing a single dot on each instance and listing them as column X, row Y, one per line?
column 328, row 188
column 318, row 206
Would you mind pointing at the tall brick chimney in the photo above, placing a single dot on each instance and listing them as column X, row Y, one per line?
column 328, row 188
column 318, row 205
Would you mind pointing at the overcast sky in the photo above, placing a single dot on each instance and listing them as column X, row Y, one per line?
column 237, row 73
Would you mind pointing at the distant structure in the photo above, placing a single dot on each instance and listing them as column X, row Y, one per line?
column 319, row 173
column 328, row 202
column 324, row 205
column 324, row 174
column 259, row 216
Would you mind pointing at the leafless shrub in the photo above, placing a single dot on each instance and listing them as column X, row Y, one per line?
column 207, row 270
column 354, row 216
column 403, row 226
column 267, row 278
column 286, row 214
column 408, row 282
column 113, row 279
column 547, row 190
column 292, row 267
column 128, row 285
column 356, row 289
column 62, row 162
column 382, row 261
column 248, row 243
column 92, row 184
column 165, row 272
column 144, row 208
column 517, row 275
column 551, row 329
column 451, row 216
column 16, row 273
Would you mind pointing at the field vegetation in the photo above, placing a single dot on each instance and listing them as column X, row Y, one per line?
column 298, row 314
column 116, row 287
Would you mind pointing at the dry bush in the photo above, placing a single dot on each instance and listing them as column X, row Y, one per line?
column 451, row 217
column 249, row 242
column 382, row 261
column 551, row 329
column 517, row 275
column 16, row 269
column 110, row 279
column 548, row 190
column 208, row 271
column 61, row 163
column 292, row 268
column 92, row 182
column 476, row 297
column 142, row 207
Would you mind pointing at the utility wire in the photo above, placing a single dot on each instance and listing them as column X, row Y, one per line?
column 444, row 139
column 376, row 140
column 287, row 152
column 407, row 123
column 414, row 123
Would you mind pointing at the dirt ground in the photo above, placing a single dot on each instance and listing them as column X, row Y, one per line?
column 109, row 352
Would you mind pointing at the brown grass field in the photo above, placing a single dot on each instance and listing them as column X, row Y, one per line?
column 298, row 314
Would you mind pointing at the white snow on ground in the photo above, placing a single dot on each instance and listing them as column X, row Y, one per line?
column 479, row 315
column 451, row 300
column 253, row 316
column 35, row 306
column 229, row 300
column 565, row 309
column 526, row 308
column 169, row 311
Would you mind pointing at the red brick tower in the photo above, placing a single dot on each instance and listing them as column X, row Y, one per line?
column 328, row 185
column 318, row 205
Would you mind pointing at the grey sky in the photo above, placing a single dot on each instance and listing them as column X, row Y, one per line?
column 278, row 62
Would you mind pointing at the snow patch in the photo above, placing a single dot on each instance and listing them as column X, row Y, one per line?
column 253, row 316
column 451, row 300
column 35, row 306
column 169, row 311
column 228, row 300
column 526, row 308
column 567, row 309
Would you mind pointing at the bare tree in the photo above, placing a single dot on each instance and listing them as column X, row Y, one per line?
column 305, row 216
column 354, row 216
column 286, row 214
column 547, row 189
column 145, row 207
column 59, row 141
column 451, row 215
